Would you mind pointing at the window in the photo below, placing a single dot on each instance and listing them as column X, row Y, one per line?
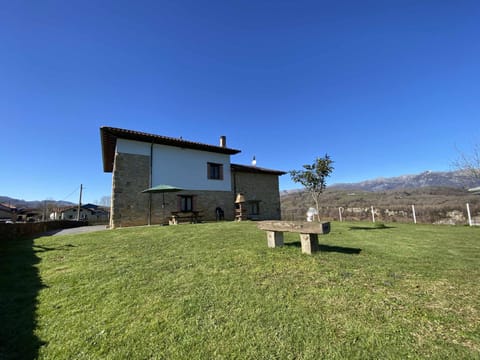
column 186, row 203
column 214, row 171
column 254, row 207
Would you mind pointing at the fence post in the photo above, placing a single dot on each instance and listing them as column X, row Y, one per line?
column 414, row 216
column 469, row 216
column 340, row 213
column 373, row 214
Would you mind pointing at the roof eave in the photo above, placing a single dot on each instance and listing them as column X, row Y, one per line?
column 257, row 170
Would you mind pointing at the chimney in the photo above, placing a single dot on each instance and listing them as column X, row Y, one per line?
column 223, row 141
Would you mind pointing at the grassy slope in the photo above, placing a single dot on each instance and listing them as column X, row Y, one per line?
column 217, row 291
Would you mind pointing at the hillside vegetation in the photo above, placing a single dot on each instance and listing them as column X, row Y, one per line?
column 215, row 291
column 432, row 204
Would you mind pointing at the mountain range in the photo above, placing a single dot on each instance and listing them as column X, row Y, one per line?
column 35, row 204
column 451, row 179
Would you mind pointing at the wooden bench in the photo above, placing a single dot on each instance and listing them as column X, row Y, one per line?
column 308, row 231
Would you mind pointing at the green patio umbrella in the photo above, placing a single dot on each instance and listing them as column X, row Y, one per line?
column 162, row 188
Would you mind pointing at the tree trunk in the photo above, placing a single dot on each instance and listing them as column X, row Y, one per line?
column 315, row 199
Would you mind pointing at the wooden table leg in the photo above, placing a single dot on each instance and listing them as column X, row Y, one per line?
column 274, row 239
column 309, row 243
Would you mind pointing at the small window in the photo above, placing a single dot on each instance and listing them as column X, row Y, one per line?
column 186, row 203
column 215, row 171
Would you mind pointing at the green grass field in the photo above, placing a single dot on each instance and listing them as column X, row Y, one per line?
column 215, row 291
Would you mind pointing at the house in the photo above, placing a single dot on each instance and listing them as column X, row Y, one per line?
column 475, row 190
column 6, row 212
column 209, row 181
column 12, row 213
column 89, row 212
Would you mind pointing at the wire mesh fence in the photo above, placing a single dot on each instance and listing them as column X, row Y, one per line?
column 418, row 213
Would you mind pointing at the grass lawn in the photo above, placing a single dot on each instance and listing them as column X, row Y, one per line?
column 215, row 290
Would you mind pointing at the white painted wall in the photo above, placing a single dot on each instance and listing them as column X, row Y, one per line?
column 133, row 147
column 185, row 168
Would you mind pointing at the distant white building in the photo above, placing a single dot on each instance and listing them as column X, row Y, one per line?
column 475, row 190
column 88, row 212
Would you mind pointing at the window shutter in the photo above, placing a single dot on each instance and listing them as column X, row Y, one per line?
column 221, row 172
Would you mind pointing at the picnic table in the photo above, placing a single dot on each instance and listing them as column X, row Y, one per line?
column 308, row 231
column 191, row 217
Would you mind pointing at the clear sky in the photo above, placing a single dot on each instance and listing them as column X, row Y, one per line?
column 384, row 87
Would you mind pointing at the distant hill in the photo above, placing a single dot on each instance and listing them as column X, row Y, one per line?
column 434, row 192
column 36, row 204
column 452, row 179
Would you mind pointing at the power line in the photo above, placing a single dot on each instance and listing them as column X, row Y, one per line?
column 74, row 191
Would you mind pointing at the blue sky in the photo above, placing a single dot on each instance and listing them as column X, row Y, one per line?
column 384, row 87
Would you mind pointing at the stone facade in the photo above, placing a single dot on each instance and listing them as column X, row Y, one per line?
column 131, row 207
column 205, row 202
column 259, row 188
column 131, row 175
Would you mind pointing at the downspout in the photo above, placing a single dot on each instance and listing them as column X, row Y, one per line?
column 234, row 173
column 150, row 185
column 234, row 182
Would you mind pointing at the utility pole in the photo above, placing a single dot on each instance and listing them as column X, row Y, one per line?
column 79, row 203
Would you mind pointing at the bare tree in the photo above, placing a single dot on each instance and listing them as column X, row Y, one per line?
column 50, row 207
column 105, row 201
column 313, row 178
column 469, row 162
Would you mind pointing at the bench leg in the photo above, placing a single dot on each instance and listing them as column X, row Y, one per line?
column 274, row 239
column 309, row 243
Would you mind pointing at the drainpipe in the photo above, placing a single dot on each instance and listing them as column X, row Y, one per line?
column 150, row 182
column 234, row 174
